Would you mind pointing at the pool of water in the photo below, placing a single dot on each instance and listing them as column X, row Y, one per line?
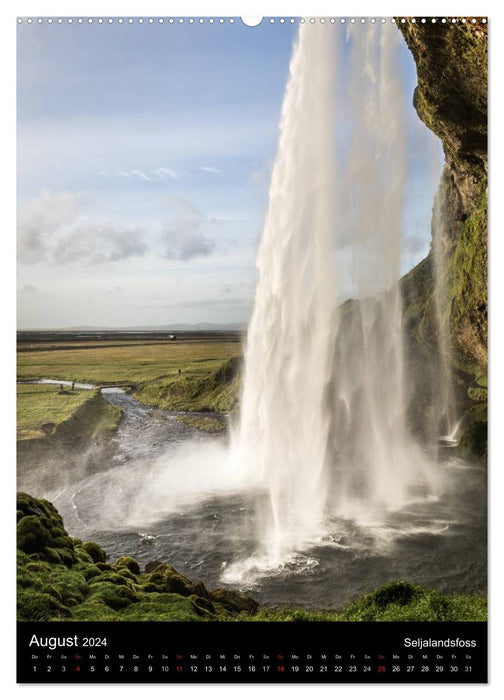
column 165, row 491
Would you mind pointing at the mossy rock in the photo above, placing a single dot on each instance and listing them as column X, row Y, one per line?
column 96, row 553
column 126, row 574
column 41, row 533
column 52, row 555
column 397, row 592
column 168, row 580
column 37, row 566
column 109, row 577
column 82, row 555
column 233, row 601
column 32, row 536
column 199, row 589
column 37, row 506
column 149, row 588
column 90, row 572
column 202, row 605
column 38, row 606
column 62, row 541
column 128, row 563
column 152, row 566
column 52, row 590
column 61, row 577
column 116, row 597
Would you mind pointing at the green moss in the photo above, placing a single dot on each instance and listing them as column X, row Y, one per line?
column 110, row 594
column 104, row 566
column 396, row 601
column 233, row 601
column 128, row 563
column 37, row 606
column 90, row 572
column 32, row 536
column 156, row 607
column 204, row 423
column 110, row 577
column 94, row 550
column 216, row 392
column 468, row 274
column 81, row 554
column 52, row 555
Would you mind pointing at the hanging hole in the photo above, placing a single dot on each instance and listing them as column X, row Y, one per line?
column 251, row 21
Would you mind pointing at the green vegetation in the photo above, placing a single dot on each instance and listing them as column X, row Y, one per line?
column 43, row 410
column 468, row 275
column 206, row 424
column 468, row 314
column 128, row 363
column 63, row 578
column 395, row 601
column 183, row 376
column 217, row 392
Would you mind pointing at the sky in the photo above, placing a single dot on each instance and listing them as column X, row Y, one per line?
column 144, row 156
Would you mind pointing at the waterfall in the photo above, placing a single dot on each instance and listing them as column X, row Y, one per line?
column 323, row 411
column 446, row 422
column 376, row 462
column 284, row 425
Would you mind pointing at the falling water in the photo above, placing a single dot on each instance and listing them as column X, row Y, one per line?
column 376, row 462
column 446, row 422
column 284, row 420
column 323, row 406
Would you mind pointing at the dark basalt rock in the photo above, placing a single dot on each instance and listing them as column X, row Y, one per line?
column 451, row 99
column 234, row 601
column 151, row 565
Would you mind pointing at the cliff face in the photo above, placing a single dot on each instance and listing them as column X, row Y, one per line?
column 451, row 99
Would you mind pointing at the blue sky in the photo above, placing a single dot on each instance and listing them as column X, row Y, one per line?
column 144, row 154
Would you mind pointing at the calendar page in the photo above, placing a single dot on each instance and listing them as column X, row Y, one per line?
column 252, row 349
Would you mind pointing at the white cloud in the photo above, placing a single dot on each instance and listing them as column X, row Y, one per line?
column 160, row 173
column 211, row 169
column 164, row 173
column 182, row 238
column 215, row 218
column 53, row 228
column 141, row 174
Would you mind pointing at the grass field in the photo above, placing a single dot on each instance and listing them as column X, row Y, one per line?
column 83, row 412
column 182, row 375
column 129, row 362
column 41, row 404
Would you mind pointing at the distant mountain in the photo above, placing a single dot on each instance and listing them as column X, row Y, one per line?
column 168, row 327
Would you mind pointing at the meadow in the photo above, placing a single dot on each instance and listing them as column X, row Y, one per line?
column 39, row 404
column 134, row 362
column 43, row 411
column 185, row 375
